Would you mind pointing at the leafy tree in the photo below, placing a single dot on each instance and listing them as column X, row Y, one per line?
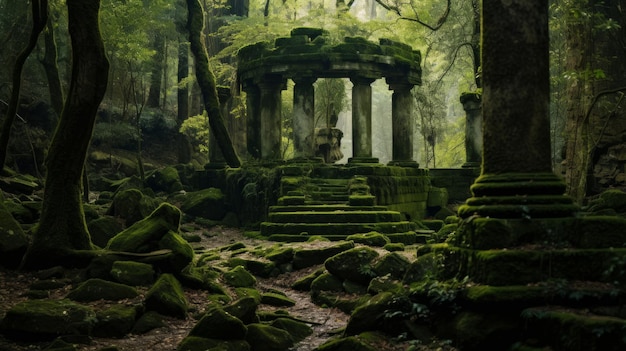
column 62, row 228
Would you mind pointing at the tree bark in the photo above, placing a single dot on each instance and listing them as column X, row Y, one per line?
column 154, row 95
column 206, row 81
column 62, row 228
column 40, row 18
column 51, row 67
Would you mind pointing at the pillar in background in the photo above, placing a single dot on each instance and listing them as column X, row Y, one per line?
column 402, row 124
column 271, row 118
column 473, row 129
column 253, row 123
column 362, row 120
column 304, row 117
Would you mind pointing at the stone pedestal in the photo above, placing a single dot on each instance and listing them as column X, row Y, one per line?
column 362, row 120
column 303, row 117
column 473, row 129
column 516, row 180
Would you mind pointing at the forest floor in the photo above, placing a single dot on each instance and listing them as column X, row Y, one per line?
column 325, row 322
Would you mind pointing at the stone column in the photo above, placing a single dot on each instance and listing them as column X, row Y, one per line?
column 473, row 129
column 271, row 128
column 362, row 120
column 304, row 117
column 516, row 179
column 253, row 125
column 402, row 124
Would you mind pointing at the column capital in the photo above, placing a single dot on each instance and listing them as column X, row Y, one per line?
column 272, row 81
column 399, row 84
column 304, row 80
column 361, row 80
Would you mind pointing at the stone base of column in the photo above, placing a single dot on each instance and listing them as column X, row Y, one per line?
column 471, row 165
column 305, row 160
column 353, row 160
column 408, row 163
column 519, row 195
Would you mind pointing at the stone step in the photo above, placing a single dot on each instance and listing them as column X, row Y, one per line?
column 407, row 238
column 335, row 217
column 325, row 208
column 562, row 328
column 271, row 228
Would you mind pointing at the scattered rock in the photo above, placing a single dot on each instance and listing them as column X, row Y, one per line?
column 206, row 203
column 133, row 273
column 354, row 264
column 263, row 337
column 115, row 321
column 98, row 289
column 218, row 324
column 239, row 277
column 166, row 297
column 131, row 205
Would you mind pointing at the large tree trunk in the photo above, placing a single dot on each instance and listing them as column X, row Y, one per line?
column 156, row 77
column 596, row 51
column 206, row 81
column 62, row 227
column 40, row 18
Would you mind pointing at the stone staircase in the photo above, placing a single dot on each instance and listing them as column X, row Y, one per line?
column 334, row 208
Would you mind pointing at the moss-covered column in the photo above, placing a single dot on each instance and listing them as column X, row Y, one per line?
column 362, row 120
column 516, row 180
column 473, row 129
column 253, row 119
column 402, row 124
column 271, row 127
column 304, row 117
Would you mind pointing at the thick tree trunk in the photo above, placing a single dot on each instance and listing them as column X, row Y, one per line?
column 40, row 18
column 62, row 227
column 206, row 81
column 183, row 145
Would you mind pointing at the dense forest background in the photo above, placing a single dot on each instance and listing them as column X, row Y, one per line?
column 152, row 111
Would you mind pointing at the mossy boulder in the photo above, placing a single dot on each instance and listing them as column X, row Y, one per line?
column 164, row 180
column 148, row 321
column 611, row 199
column 115, row 321
column 298, row 330
column 307, row 257
column 326, row 282
column 263, row 337
column 239, row 277
column 133, row 273
column 352, row 343
column 103, row 229
column 98, row 289
column 166, row 297
column 385, row 283
column 369, row 239
column 131, row 205
column 276, row 299
column 244, row 309
column 354, row 264
column 47, row 319
column 370, row 315
column 13, row 240
column 304, row 283
column 393, row 264
column 181, row 252
column 207, row 203
column 196, row 343
column 219, row 324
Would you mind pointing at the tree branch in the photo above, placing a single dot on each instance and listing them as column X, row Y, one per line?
column 442, row 19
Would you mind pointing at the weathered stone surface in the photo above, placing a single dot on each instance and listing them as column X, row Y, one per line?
column 309, row 257
column 367, row 316
column 297, row 330
column 166, row 297
column 47, row 319
column 275, row 299
column 96, row 289
column 148, row 321
column 263, row 337
column 103, row 229
column 393, row 264
column 326, row 282
column 352, row 343
column 206, row 203
column 369, row 239
column 132, row 205
column 13, row 240
column 239, row 277
column 218, row 324
column 115, row 322
column 133, row 273
column 165, row 180
column 196, row 343
column 354, row 264
column 245, row 309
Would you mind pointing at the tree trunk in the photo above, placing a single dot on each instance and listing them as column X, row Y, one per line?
column 62, row 226
column 595, row 55
column 40, row 18
column 51, row 67
column 206, row 80
column 154, row 95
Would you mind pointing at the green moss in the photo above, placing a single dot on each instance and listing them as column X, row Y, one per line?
column 298, row 330
column 354, row 264
column 166, row 297
column 239, row 277
column 133, row 273
column 115, row 321
column 148, row 321
column 267, row 338
column 352, row 343
column 274, row 299
column 96, row 289
column 217, row 324
column 196, row 343
column 370, row 239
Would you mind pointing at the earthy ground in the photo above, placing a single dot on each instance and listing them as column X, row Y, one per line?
column 325, row 322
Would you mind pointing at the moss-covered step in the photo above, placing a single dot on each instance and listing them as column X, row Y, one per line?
column 513, row 267
column 270, row 228
column 335, row 217
column 407, row 238
column 574, row 330
column 325, row 208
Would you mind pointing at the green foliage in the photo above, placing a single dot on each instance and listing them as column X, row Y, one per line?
column 196, row 128
column 116, row 134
